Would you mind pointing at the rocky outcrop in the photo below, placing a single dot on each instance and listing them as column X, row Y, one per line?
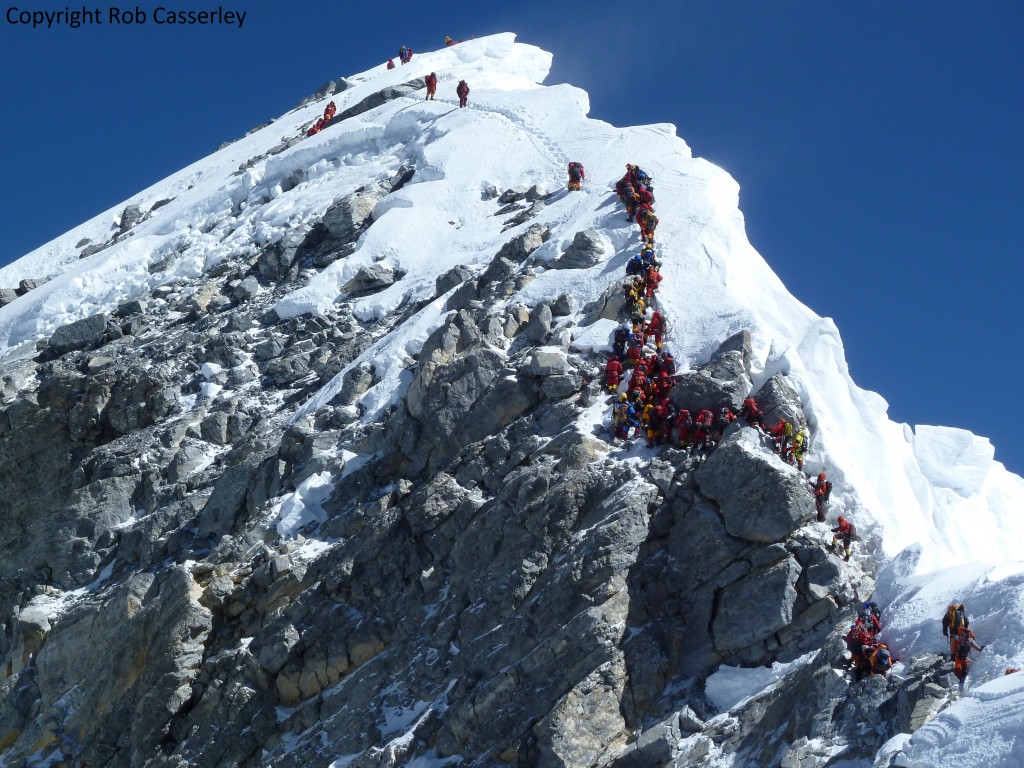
column 586, row 250
column 723, row 382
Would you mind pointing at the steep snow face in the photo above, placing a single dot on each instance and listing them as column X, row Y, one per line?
column 939, row 487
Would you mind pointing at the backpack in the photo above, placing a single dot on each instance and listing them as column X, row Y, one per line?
column 883, row 656
column 828, row 493
column 575, row 171
column 957, row 618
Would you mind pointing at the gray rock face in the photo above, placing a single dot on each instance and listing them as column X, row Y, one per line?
column 778, row 399
column 768, row 593
column 30, row 284
column 761, row 498
column 586, row 250
column 382, row 96
column 723, row 382
column 130, row 216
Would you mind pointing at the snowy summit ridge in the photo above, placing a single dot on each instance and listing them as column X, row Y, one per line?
column 517, row 131
column 925, row 499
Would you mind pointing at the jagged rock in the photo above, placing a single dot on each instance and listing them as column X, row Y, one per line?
column 563, row 305
column 548, row 362
column 768, row 594
column 452, row 278
column 341, row 227
column 540, row 323
column 513, row 195
column 587, row 249
column 130, row 216
column 7, row 295
column 521, row 246
column 129, row 308
column 370, row 278
column 30, row 284
column 723, row 382
column 246, row 289
column 778, row 399
column 374, row 100
column 761, row 498
column 355, row 382
column 86, row 333
column 402, row 177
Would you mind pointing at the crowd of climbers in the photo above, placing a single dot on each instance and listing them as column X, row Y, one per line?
column 644, row 408
column 869, row 656
column 329, row 112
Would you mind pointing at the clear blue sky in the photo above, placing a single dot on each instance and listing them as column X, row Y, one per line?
column 878, row 145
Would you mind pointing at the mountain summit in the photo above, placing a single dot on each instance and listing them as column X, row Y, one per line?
column 306, row 460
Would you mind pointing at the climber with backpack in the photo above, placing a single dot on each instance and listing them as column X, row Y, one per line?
column 462, row 90
column 800, row 444
column 684, row 423
column 822, row 490
column 404, row 54
column 870, row 616
column 844, row 532
column 954, row 618
column 655, row 328
column 960, row 646
column 619, row 339
column 431, row 81
column 577, row 175
column 391, row 63
column 880, row 661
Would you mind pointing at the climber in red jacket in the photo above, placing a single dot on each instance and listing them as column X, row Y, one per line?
column 462, row 89
column 843, row 532
column 613, row 372
column 577, row 175
column 431, row 81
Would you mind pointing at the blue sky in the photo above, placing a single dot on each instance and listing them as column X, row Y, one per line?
column 878, row 145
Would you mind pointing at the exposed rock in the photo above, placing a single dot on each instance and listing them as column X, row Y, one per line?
column 130, row 216
column 548, row 362
column 86, row 333
column 778, row 399
column 761, row 498
column 30, row 284
column 587, row 249
column 723, row 382
column 370, row 278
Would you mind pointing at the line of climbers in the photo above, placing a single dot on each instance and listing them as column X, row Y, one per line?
column 329, row 112
column 869, row 656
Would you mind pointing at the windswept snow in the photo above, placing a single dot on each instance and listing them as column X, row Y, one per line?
column 936, row 490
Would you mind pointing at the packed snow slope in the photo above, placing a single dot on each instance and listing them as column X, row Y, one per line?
column 938, row 486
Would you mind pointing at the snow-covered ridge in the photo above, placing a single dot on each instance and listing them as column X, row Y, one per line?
column 940, row 486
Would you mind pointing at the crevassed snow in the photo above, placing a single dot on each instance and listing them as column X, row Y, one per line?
column 935, row 489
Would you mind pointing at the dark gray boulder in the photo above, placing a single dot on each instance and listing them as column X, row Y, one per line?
column 761, row 498
column 86, row 333
column 371, row 278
